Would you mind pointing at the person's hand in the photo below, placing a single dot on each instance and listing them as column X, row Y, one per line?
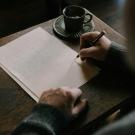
column 98, row 51
column 67, row 100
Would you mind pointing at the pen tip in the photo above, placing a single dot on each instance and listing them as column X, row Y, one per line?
column 77, row 56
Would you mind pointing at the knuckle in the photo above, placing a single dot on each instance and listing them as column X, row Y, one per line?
column 96, row 32
column 70, row 95
column 62, row 91
column 58, row 90
column 44, row 93
column 85, row 52
column 84, row 35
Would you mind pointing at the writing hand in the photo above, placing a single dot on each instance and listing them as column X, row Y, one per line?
column 98, row 51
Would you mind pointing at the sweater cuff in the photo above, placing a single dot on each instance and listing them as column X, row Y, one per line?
column 116, row 56
column 44, row 119
column 116, row 51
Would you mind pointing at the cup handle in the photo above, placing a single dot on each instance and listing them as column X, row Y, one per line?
column 90, row 15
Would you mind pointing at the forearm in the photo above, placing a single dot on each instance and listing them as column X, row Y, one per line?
column 44, row 119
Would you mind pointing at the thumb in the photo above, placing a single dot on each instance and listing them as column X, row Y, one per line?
column 80, row 107
column 89, row 52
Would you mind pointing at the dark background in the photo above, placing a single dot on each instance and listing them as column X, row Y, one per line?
column 16, row 15
column 110, row 11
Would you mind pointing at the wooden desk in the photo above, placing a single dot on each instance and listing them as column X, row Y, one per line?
column 105, row 93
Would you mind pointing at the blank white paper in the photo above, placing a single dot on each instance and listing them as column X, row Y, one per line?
column 38, row 61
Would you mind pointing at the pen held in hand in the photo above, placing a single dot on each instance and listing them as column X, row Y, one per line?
column 92, row 43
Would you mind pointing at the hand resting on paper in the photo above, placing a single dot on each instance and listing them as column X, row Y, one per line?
column 67, row 100
column 98, row 51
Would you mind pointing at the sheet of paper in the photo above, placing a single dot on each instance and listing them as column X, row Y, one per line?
column 38, row 61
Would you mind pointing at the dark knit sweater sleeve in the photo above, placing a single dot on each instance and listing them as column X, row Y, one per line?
column 43, row 120
column 116, row 58
column 116, row 62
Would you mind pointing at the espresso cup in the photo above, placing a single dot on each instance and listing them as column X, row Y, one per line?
column 74, row 18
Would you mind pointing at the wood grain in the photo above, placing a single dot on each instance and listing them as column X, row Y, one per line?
column 105, row 93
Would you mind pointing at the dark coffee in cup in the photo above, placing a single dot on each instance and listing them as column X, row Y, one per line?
column 74, row 18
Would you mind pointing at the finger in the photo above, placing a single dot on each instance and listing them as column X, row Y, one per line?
column 79, row 108
column 87, row 36
column 46, row 92
column 89, row 52
column 75, row 92
column 83, row 58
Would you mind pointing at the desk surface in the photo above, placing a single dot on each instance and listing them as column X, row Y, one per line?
column 105, row 95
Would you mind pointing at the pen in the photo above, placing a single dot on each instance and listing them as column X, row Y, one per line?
column 92, row 43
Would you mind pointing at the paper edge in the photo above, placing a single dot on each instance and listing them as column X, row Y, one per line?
column 28, row 91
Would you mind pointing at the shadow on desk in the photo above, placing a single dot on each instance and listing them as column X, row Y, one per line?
column 19, row 15
column 107, row 93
